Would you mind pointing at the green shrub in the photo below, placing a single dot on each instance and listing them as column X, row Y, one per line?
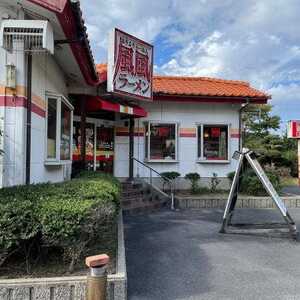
column 170, row 175
column 230, row 176
column 65, row 215
column 251, row 185
column 18, row 226
column 194, row 179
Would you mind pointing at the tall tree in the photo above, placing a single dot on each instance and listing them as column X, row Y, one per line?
column 259, row 122
column 260, row 134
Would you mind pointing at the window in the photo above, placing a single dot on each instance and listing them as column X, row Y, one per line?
column 65, row 137
column 161, row 141
column 59, row 126
column 51, row 127
column 213, row 142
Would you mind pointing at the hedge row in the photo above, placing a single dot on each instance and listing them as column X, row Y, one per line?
column 65, row 215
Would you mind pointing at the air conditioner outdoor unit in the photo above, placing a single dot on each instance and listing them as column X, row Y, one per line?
column 36, row 36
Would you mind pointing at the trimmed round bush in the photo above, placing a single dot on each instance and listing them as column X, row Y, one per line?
column 194, row 179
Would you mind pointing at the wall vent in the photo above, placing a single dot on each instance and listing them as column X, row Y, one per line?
column 36, row 36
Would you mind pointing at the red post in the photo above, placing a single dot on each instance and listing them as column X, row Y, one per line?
column 299, row 162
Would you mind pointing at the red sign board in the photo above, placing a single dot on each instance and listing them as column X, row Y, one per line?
column 294, row 129
column 130, row 66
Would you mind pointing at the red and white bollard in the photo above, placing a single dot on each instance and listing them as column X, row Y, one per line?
column 97, row 279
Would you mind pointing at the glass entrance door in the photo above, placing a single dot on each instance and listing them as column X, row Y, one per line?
column 104, row 159
column 99, row 147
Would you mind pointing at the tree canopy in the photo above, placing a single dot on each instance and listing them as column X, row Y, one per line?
column 261, row 134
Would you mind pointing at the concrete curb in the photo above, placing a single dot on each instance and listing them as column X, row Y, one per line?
column 216, row 201
column 68, row 288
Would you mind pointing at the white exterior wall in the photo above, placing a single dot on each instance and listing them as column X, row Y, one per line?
column 12, row 116
column 46, row 77
column 186, row 115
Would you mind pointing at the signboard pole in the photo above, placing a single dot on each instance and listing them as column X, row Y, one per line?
column 249, row 156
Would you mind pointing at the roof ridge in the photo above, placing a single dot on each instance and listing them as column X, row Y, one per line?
column 196, row 78
column 212, row 79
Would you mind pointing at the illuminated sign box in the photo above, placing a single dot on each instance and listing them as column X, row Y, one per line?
column 294, row 129
column 130, row 66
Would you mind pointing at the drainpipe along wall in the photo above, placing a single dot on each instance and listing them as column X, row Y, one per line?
column 28, row 122
column 240, row 124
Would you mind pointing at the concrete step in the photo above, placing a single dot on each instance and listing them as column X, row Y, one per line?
column 144, row 208
column 132, row 193
column 137, row 199
column 129, row 185
column 132, row 201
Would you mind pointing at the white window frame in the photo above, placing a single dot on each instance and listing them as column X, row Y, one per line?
column 59, row 100
column 201, row 159
column 148, row 125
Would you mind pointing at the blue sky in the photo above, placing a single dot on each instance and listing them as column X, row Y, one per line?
column 253, row 40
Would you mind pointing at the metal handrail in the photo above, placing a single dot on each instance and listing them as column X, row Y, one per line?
column 170, row 182
column 153, row 170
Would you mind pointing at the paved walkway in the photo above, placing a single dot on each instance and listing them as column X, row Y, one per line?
column 294, row 190
column 181, row 255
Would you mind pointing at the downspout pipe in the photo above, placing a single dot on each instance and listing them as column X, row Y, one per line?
column 243, row 107
column 28, row 119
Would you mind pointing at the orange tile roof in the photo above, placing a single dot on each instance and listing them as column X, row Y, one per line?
column 199, row 86
column 205, row 86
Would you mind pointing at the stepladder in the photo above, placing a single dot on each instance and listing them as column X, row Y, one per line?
column 287, row 228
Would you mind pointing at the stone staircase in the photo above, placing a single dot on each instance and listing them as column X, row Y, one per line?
column 137, row 199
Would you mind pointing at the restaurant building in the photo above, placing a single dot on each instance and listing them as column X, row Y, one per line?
column 193, row 124
column 60, row 113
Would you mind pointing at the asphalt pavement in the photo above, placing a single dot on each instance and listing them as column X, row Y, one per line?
column 292, row 190
column 181, row 255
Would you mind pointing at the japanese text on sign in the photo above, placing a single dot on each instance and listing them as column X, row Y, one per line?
column 130, row 66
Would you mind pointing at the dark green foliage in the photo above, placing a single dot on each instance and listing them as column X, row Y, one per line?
column 194, row 179
column 260, row 135
column 251, row 185
column 230, row 176
column 170, row 175
column 66, row 215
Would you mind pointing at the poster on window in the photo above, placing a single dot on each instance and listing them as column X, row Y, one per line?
column 130, row 66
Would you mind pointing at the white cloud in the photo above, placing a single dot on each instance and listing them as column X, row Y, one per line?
column 144, row 19
column 253, row 40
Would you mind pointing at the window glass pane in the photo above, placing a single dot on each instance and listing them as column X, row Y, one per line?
column 146, row 141
column 89, row 146
column 76, row 141
column 104, row 149
column 65, row 140
column 162, row 141
column 215, row 142
column 51, row 128
column 199, row 141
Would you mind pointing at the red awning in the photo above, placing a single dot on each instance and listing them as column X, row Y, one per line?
column 95, row 103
